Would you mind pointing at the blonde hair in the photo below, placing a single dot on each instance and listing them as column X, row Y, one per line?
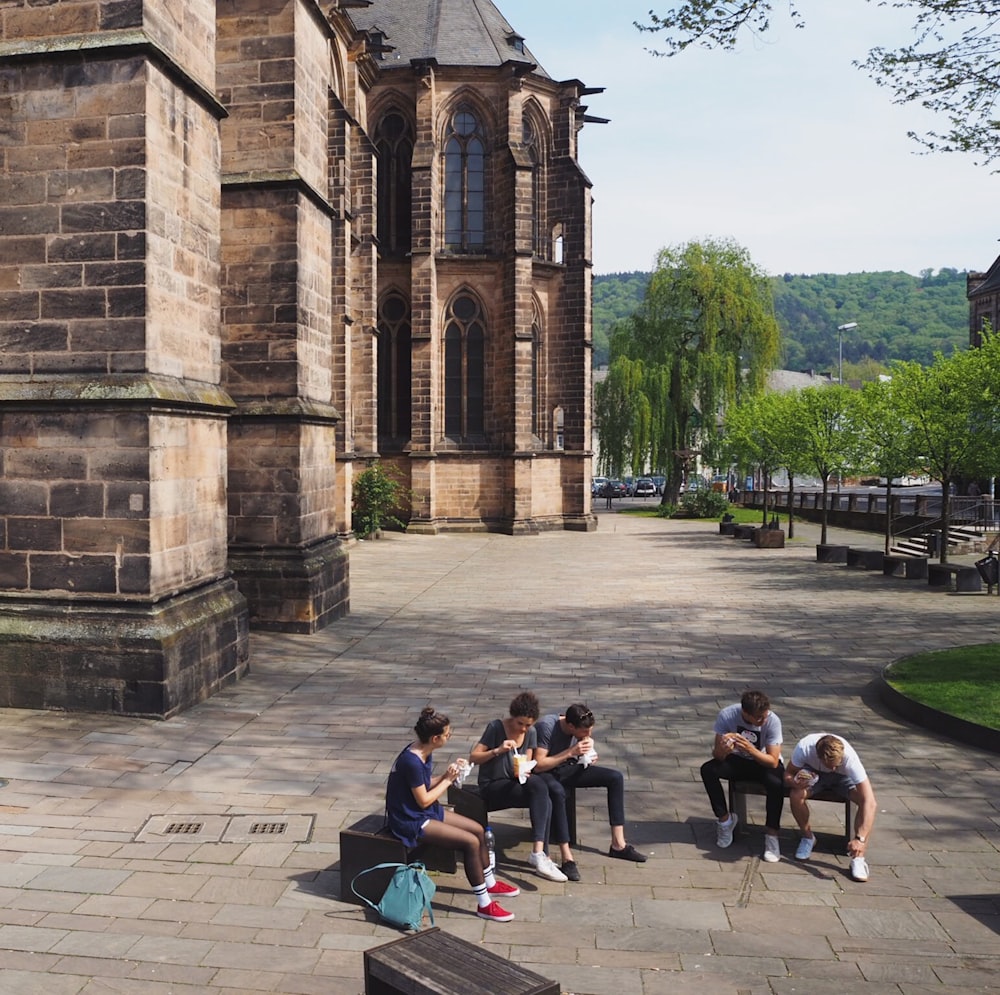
column 830, row 750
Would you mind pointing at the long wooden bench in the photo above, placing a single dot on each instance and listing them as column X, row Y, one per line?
column 432, row 962
column 467, row 801
column 738, row 791
column 367, row 843
column 831, row 553
column 867, row 559
column 943, row 575
column 910, row 567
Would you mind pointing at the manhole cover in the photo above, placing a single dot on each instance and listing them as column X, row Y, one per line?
column 269, row 829
column 183, row 829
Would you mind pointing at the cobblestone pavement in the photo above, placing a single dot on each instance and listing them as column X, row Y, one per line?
column 655, row 625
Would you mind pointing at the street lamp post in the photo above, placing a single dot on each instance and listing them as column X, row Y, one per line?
column 841, row 329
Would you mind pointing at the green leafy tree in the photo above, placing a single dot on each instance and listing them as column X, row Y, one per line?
column 951, row 66
column 704, row 336
column 953, row 410
column 754, row 437
column 887, row 439
column 828, row 437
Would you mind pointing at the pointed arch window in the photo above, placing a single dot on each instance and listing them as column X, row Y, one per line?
column 394, row 150
column 394, row 371
column 465, row 183
column 539, row 237
column 536, row 390
column 464, row 374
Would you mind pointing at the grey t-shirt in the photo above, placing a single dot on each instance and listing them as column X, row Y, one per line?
column 730, row 719
column 501, row 768
column 551, row 736
column 851, row 768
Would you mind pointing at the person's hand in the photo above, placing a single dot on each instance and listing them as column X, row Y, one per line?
column 507, row 745
column 453, row 772
column 855, row 848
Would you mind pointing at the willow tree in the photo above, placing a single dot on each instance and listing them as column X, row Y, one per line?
column 705, row 336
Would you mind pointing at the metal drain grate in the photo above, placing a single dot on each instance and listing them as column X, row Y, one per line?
column 226, row 829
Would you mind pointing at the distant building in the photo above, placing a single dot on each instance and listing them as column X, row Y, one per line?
column 983, row 291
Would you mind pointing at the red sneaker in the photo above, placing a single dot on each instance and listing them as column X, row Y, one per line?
column 495, row 912
column 503, row 890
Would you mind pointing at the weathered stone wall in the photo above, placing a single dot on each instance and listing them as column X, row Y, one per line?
column 113, row 423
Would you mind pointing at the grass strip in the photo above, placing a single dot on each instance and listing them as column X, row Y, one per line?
column 964, row 681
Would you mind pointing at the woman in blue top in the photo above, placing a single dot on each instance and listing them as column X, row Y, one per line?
column 415, row 813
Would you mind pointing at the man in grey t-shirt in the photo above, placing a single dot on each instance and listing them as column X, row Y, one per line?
column 747, row 747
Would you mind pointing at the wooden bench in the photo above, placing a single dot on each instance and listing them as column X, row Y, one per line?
column 829, row 553
column 368, row 843
column 943, row 574
column 467, row 801
column 910, row 567
column 436, row 963
column 738, row 791
column 744, row 531
column 867, row 559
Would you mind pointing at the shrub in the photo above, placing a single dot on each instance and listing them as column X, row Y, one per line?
column 703, row 504
column 377, row 494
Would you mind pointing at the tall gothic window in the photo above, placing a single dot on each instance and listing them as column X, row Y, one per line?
column 394, row 371
column 465, row 184
column 394, row 149
column 539, row 237
column 536, row 361
column 464, row 378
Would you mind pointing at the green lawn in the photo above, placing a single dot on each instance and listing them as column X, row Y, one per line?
column 963, row 682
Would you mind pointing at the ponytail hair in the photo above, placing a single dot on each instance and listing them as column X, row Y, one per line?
column 430, row 724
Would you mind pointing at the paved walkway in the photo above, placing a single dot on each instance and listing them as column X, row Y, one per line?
column 656, row 625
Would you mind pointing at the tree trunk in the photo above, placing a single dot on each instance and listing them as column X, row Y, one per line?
column 945, row 518
column 888, row 515
column 791, row 506
column 824, row 517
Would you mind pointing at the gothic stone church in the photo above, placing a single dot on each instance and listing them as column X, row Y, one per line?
column 246, row 248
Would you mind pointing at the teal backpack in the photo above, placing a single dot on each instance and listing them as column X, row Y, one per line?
column 407, row 896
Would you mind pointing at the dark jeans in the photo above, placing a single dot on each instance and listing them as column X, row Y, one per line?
column 534, row 795
column 578, row 776
column 737, row 768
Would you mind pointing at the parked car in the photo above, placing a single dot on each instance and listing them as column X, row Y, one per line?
column 620, row 489
column 644, row 488
column 597, row 486
column 629, row 486
column 659, row 483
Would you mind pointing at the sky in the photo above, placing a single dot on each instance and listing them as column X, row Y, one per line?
column 782, row 146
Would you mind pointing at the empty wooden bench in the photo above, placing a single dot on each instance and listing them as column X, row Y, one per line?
column 738, row 791
column 368, row 843
column 467, row 801
column 910, row 567
column 943, row 574
column 867, row 559
column 436, row 963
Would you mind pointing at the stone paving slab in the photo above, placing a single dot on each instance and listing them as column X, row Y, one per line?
column 656, row 625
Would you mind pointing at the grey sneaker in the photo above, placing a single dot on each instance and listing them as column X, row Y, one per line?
column 724, row 831
column 544, row 867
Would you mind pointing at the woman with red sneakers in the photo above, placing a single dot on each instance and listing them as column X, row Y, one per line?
column 415, row 814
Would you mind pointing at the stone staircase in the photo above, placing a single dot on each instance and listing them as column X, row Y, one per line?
column 962, row 540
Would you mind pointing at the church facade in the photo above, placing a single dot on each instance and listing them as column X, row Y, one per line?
column 247, row 249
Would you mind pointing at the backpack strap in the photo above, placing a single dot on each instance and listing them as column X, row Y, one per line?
column 368, row 870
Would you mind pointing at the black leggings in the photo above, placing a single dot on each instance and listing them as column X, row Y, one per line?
column 737, row 768
column 533, row 794
column 578, row 776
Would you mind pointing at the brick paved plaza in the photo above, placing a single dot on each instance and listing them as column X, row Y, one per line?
column 655, row 625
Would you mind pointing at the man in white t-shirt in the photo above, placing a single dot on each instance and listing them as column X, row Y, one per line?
column 823, row 762
column 747, row 747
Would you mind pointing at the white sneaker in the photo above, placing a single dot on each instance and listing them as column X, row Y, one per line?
column 805, row 848
column 859, row 868
column 772, row 849
column 544, row 867
column 724, row 831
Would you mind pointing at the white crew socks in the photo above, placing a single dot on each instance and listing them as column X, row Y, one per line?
column 489, row 877
column 482, row 894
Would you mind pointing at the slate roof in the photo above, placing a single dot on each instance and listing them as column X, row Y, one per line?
column 454, row 32
column 990, row 283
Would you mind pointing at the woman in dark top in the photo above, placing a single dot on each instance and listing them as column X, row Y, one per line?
column 415, row 813
column 500, row 743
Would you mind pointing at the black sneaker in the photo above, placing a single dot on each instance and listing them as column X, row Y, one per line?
column 628, row 852
column 570, row 869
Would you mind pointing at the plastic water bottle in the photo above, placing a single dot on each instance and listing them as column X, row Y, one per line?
column 491, row 845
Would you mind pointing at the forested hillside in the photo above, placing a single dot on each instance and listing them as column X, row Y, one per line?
column 899, row 316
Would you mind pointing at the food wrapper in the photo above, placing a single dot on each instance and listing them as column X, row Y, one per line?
column 523, row 767
column 588, row 758
column 466, row 769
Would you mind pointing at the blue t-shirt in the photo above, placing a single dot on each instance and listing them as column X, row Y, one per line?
column 406, row 818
